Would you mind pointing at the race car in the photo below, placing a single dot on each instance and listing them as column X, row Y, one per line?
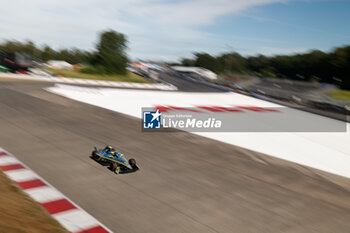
column 116, row 161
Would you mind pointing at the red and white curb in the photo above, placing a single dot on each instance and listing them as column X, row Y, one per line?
column 157, row 86
column 68, row 214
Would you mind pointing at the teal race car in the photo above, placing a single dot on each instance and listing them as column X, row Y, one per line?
column 116, row 161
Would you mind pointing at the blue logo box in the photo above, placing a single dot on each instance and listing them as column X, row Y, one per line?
column 151, row 119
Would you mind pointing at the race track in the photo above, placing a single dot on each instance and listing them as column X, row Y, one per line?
column 187, row 183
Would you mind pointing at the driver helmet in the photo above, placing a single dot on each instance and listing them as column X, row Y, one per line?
column 109, row 149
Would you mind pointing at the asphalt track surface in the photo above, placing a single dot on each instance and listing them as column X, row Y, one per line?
column 186, row 183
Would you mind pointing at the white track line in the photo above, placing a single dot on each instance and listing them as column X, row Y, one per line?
column 75, row 220
column 21, row 175
column 6, row 160
column 44, row 194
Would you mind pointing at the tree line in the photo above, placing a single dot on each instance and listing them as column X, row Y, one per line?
column 332, row 67
column 108, row 58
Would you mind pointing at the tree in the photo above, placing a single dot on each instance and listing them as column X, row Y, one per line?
column 209, row 62
column 111, row 56
column 48, row 54
column 232, row 63
column 187, row 62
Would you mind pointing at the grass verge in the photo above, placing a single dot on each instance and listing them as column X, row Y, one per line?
column 19, row 213
column 129, row 77
column 340, row 94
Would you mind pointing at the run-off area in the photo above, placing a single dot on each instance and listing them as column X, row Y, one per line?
column 327, row 151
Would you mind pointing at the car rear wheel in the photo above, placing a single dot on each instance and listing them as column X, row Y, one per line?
column 94, row 155
column 111, row 166
column 132, row 163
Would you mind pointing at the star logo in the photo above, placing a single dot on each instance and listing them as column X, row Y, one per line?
column 156, row 115
column 152, row 119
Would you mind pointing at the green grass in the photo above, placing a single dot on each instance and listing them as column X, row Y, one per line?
column 340, row 94
column 129, row 77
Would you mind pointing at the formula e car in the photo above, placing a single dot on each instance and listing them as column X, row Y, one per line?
column 116, row 161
